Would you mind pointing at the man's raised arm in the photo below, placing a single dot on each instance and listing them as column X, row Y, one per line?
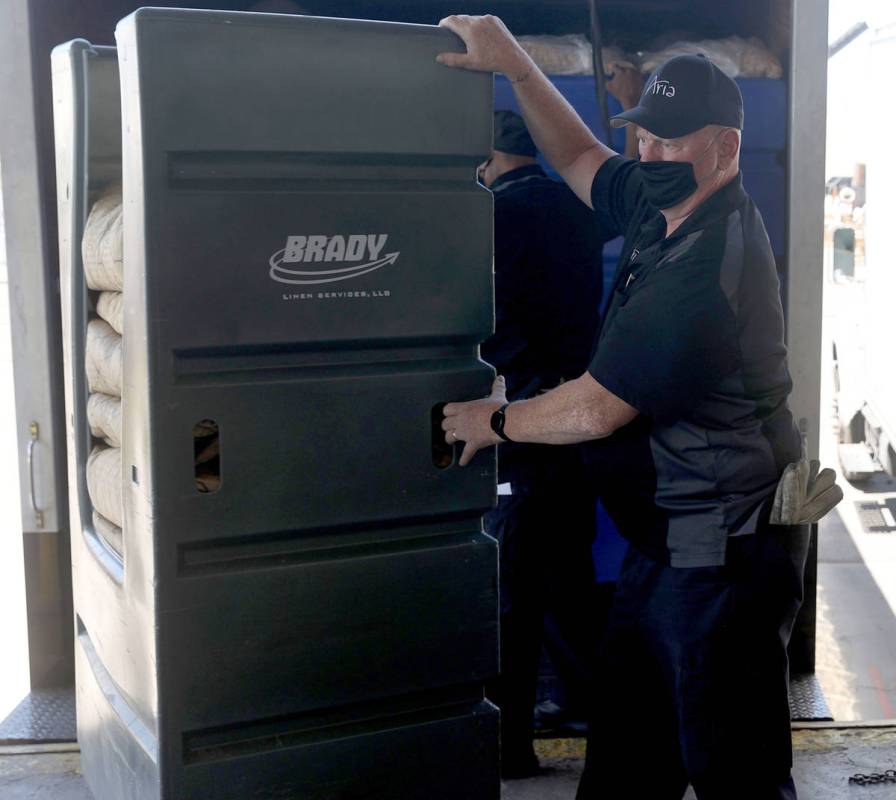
column 558, row 131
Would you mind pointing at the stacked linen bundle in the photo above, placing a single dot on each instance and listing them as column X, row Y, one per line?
column 101, row 252
column 571, row 54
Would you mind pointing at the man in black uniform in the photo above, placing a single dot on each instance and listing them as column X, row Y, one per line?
column 548, row 283
column 684, row 408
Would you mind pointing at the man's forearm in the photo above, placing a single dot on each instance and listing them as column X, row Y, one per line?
column 557, row 129
column 576, row 411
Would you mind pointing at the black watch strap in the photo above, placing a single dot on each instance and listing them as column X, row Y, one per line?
column 498, row 420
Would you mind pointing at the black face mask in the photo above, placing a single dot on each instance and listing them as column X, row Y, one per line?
column 667, row 183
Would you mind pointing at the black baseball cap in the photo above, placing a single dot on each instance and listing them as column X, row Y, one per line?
column 684, row 95
column 512, row 135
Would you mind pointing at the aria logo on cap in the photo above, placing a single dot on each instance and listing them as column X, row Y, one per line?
column 685, row 94
column 660, row 87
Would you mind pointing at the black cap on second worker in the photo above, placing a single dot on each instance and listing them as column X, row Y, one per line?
column 685, row 94
column 512, row 135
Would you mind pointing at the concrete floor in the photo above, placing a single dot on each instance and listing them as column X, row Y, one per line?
column 856, row 595
column 856, row 629
column 48, row 772
column 825, row 758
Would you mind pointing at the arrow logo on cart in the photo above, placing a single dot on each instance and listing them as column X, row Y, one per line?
column 283, row 274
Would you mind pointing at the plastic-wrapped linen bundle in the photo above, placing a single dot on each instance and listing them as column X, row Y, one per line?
column 102, row 361
column 108, row 532
column 570, row 55
column 102, row 244
column 739, row 58
column 110, row 307
column 104, row 482
column 102, row 252
column 559, row 55
column 104, row 418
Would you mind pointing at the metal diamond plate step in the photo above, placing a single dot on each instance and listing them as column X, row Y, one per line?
column 45, row 715
column 807, row 701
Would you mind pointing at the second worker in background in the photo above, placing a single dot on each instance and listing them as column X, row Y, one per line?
column 548, row 283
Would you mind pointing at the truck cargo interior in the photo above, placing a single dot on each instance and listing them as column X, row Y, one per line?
column 237, row 553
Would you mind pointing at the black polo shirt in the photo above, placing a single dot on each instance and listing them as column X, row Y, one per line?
column 548, row 285
column 694, row 339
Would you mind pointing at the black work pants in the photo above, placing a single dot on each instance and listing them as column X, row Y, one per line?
column 544, row 536
column 693, row 676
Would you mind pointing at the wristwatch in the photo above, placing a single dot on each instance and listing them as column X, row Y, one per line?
column 497, row 422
